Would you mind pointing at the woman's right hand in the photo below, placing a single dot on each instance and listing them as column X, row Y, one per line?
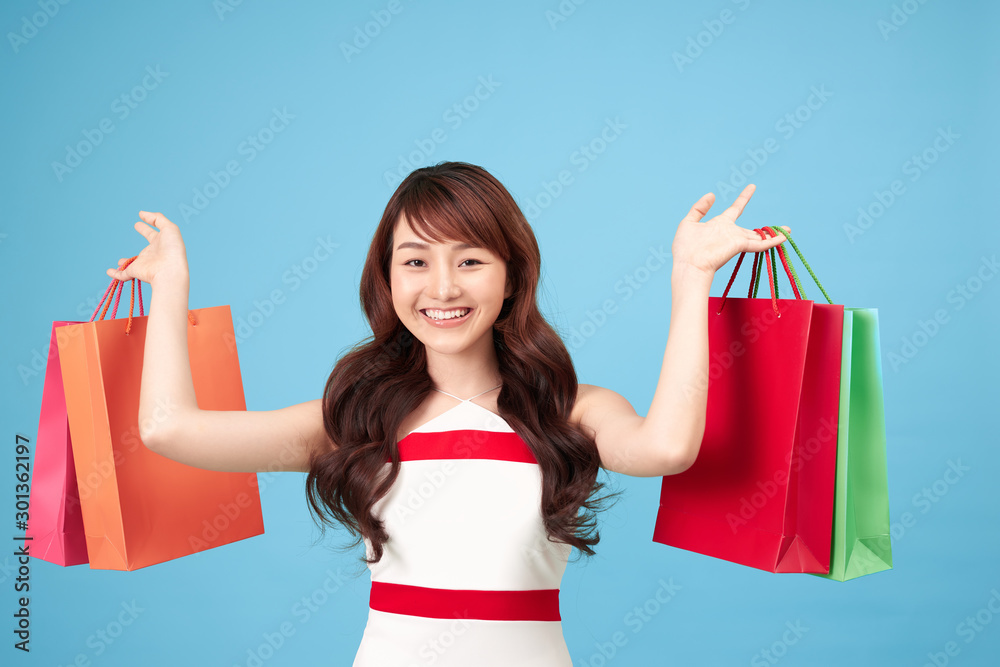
column 165, row 254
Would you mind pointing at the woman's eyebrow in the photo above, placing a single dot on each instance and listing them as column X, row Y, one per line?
column 424, row 246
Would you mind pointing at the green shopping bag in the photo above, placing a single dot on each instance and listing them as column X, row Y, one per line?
column 861, row 543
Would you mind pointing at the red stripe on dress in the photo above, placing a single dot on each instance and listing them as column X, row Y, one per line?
column 465, row 444
column 531, row 605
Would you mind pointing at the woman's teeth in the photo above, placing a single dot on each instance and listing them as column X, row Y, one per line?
column 446, row 314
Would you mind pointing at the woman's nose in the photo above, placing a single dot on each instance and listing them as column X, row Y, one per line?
column 443, row 282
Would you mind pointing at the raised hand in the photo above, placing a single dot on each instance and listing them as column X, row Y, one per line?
column 707, row 246
column 164, row 256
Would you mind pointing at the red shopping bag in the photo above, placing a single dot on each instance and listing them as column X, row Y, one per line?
column 55, row 524
column 761, row 490
column 140, row 508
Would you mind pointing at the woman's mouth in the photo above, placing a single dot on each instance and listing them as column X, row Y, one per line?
column 446, row 318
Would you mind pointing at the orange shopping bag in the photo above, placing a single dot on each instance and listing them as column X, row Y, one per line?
column 140, row 508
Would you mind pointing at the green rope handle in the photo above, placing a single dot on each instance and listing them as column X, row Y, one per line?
column 791, row 267
column 756, row 279
column 788, row 263
column 774, row 272
column 804, row 262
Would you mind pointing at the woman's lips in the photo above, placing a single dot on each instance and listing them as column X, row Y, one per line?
column 449, row 323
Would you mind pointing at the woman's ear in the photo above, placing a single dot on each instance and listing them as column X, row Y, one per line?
column 508, row 289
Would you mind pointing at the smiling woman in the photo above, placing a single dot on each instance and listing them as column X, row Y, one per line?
column 469, row 508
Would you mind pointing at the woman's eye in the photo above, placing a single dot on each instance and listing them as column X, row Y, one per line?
column 410, row 263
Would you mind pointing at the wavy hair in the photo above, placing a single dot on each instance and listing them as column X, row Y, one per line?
column 383, row 378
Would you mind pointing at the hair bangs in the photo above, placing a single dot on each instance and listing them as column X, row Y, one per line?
column 436, row 214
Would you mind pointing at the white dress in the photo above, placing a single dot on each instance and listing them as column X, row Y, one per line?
column 467, row 576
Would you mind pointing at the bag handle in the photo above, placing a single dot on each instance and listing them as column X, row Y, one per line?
column 798, row 252
column 772, row 270
column 115, row 289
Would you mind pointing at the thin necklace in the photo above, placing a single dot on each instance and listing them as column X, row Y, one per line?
column 471, row 397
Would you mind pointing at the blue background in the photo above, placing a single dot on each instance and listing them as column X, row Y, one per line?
column 684, row 128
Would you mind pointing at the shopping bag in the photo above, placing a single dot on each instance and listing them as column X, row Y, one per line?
column 861, row 541
column 55, row 525
column 761, row 490
column 140, row 508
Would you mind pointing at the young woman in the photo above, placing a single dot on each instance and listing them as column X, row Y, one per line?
column 455, row 441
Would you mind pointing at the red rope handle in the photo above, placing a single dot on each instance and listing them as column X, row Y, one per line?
column 99, row 303
column 115, row 289
column 770, row 274
column 731, row 279
column 118, row 296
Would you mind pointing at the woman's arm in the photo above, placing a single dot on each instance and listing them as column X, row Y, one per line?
column 170, row 422
column 667, row 440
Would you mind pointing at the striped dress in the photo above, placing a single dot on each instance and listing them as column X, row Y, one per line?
column 467, row 576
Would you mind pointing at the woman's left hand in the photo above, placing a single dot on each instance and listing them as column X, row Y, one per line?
column 707, row 246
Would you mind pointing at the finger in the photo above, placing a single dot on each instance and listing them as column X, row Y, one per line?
column 772, row 238
column 149, row 233
column 701, row 208
column 781, row 238
column 156, row 219
column 737, row 206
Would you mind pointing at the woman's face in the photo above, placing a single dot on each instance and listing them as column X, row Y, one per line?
column 433, row 283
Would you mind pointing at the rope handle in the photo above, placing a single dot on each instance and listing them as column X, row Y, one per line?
column 804, row 262
column 115, row 289
column 772, row 275
column 793, row 278
column 771, row 258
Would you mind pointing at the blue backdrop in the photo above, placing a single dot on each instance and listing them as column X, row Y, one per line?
column 268, row 132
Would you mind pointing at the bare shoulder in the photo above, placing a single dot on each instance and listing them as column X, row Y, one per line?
column 594, row 403
column 617, row 430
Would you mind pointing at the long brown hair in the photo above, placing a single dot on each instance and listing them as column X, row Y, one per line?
column 384, row 378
